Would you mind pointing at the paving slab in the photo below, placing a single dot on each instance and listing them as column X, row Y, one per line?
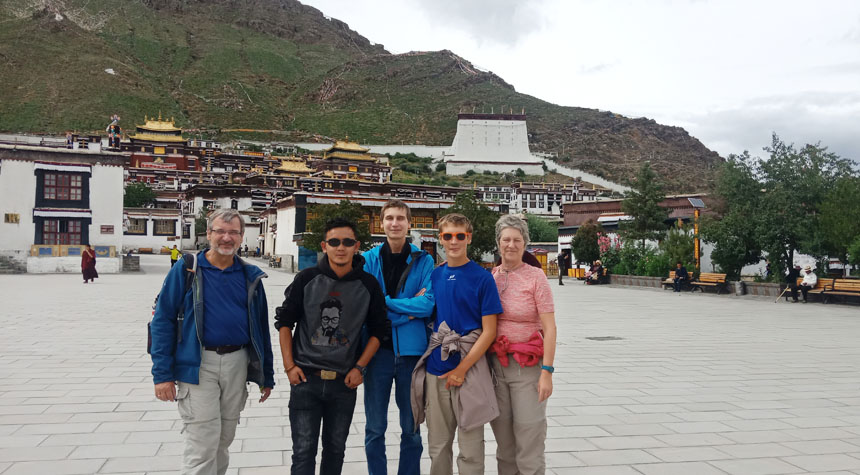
column 687, row 383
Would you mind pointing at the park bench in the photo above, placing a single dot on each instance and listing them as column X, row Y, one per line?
column 822, row 285
column 669, row 282
column 842, row 288
column 275, row 261
column 706, row 279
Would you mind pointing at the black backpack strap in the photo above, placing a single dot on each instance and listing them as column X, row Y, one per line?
column 190, row 262
column 402, row 281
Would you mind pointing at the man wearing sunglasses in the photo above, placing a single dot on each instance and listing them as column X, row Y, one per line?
column 327, row 306
column 403, row 271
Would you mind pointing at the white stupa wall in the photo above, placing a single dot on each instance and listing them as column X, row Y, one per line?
column 480, row 140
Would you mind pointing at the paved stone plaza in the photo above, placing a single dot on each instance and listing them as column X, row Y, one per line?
column 695, row 384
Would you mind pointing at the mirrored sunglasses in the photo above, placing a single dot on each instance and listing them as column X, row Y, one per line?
column 459, row 236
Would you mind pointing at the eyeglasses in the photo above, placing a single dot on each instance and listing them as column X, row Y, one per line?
column 221, row 232
column 335, row 242
column 459, row 236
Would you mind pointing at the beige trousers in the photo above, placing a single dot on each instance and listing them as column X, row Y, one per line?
column 210, row 411
column 520, row 429
column 441, row 425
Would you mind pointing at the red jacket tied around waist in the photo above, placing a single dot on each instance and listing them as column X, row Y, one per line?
column 528, row 353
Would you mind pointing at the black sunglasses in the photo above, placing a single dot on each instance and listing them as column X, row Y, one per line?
column 335, row 242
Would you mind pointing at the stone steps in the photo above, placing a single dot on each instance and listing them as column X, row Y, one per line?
column 9, row 266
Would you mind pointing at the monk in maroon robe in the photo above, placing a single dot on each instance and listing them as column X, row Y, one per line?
column 88, row 264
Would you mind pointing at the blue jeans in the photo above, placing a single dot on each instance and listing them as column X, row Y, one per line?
column 385, row 368
column 330, row 402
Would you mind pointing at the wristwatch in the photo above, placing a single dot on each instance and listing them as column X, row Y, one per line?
column 361, row 369
column 548, row 368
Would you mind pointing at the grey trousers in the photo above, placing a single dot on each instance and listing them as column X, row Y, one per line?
column 210, row 411
column 520, row 429
column 441, row 425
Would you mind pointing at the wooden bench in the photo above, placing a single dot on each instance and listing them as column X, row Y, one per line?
column 275, row 261
column 820, row 287
column 706, row 279
column 669, row 283
column 842, row 288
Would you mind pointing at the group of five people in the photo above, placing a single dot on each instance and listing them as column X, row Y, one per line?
column 461, row 346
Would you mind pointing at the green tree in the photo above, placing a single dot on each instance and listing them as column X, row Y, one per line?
column 733, row 229
column 839, row 221
column 138, row 195
column 201, row 221
column 854, row 253
column 643, row 205
column 679, row 246
column 584, row 243
column 483, row 223
column 345, row 209
column 795, row 183
column 541, row 230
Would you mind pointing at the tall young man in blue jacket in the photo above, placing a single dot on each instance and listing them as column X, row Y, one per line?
column 403, row 271
column 211, row 338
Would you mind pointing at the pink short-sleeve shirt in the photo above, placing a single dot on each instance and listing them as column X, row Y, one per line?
column 525, row 294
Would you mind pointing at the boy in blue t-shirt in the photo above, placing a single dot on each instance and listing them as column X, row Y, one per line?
column 466, row 300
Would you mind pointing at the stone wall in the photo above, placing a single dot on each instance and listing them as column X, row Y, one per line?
column 70, row 265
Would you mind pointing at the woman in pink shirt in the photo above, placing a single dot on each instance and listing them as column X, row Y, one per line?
column 522, row 354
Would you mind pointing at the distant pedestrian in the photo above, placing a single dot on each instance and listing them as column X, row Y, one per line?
column 88, row 264
column 562, row 268
column 175, row 254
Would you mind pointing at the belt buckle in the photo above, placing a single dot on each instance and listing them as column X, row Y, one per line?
column 328, row 375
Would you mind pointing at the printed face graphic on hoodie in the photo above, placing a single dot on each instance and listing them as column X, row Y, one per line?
column 329, row 333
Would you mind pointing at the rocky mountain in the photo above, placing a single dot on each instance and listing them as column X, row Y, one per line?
column 239, row 67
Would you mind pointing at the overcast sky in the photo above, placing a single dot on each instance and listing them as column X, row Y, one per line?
column 731, row 72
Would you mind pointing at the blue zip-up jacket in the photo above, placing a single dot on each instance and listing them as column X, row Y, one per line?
column 409, row 337
column 180, row 361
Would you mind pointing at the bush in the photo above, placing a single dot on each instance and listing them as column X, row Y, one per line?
column 440, row 167
column 854, row 252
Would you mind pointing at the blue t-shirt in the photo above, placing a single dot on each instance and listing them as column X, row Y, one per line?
column 225, row 304
column 463, row 294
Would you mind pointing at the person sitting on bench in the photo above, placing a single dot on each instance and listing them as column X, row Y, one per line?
column 681, row 276
column 810, row 280
column 596, row 273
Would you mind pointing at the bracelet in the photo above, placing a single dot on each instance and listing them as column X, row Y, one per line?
column 548, row 368
column 288, row 369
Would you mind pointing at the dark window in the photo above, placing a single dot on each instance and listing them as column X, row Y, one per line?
column 164, row 227
column 60, row 186
column 234, row 204
column 136, row 227
column 55, row 231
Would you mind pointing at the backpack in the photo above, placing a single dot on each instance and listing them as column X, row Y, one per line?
column 190, row 262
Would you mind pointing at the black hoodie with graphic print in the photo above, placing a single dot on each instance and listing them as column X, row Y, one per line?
column 327, row 314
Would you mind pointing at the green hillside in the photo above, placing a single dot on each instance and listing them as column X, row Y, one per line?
column 280, row 65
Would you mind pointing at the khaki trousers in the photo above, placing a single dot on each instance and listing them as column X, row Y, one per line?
column 210, row 411
column 441, row 425
column 520, row 429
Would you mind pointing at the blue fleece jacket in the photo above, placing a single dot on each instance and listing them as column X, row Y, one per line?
column 409, row 336
column 180, row 361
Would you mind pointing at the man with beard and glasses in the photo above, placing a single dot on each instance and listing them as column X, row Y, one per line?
column 320, row 326
column 208, row 339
